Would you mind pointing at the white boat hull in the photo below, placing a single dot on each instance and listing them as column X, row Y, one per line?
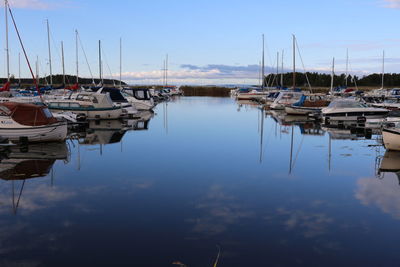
column 391, row 138
column 108, row 114
column 300, row 110
column 49, row 133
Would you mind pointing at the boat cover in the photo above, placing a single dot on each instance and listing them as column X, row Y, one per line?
column 28, row 114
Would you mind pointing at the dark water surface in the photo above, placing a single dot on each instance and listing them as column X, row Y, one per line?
column 207, row 174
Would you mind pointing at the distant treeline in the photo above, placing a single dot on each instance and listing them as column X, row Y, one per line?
column 58, row 80
column 324, row 80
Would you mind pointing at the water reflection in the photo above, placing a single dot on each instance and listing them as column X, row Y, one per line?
column 257, row 183
column 20, row 163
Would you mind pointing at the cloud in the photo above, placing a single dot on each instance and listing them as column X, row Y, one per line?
column 391, row 4
column 384, row 194
column 219, row 211
column 34, row 4
column 308, row 223
column 189, row 72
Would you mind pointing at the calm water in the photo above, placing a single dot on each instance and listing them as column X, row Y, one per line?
column 204, row 175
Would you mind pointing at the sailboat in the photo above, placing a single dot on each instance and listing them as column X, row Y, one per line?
column 311, row 103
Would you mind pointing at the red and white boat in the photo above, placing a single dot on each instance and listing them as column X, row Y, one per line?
column 21, row 122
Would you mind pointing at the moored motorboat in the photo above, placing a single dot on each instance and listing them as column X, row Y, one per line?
column 350, row 110
column 309, row 103
column 139, row 97
column 87, row 104
column 286, row 98
column 30, row 123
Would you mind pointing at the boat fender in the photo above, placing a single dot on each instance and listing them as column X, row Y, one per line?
column 23, row 140
column 327, row 120
column 81, row 117
column 361, row 119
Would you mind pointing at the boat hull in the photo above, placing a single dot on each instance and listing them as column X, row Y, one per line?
column 301, row 110
column 391, row 138
column 105, row 114
column 56, row 132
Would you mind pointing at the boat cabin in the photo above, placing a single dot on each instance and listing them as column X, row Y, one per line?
column 138, row 93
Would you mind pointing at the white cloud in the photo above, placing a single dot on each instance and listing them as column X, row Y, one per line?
column 391, row 3
column 384, row 194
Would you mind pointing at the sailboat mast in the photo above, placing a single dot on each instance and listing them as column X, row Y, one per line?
column 7, row 50
column 383, row 67
column 262, row 64
column 294, row 62
column 277, row 67
column 37, row 68
column 120, row 62
column 166, row 71
column 100, row 61
column 76, row 54
column 62, row 61
column 282, row 70
column 19, row 68
column 347, row 65
column 333, row 73
column 48, row 43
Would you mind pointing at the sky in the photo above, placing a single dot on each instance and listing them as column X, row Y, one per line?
column 208, row 41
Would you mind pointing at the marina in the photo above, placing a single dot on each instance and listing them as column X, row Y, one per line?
column 197, row 139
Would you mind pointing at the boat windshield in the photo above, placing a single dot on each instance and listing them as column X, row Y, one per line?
column 47, row 113
column 347, row 104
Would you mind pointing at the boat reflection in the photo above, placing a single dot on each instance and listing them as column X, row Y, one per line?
column 35, row 160
column 339, row 133
column 21, row 163
column 306, row 125
column 390, row 163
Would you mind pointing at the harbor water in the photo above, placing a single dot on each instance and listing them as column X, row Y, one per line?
column 202, row 182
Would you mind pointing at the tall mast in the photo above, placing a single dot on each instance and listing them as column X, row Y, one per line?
column 333, row 73
column 294, row 62
column 282, row 70
column 347, row 65
column 166, row 71
column 277, row 67
column 262, row 64
column 62, row 60
column 7, row 50
column 76, row 53
column 37, row 68
column 120, row 62
column 383, row 67
column 48, row 43
column 19, row 68
column 259, row 73
column 100, row 61
column 163, row 80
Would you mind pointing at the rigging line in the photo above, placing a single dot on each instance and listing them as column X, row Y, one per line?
column 84, row 53
column 41, row 70
column 301, row 59
column 354, row 80
column 108, row 66
column 23, row 49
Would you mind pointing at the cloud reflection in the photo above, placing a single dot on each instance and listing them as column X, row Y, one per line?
column 384, row 193
column 220, row 210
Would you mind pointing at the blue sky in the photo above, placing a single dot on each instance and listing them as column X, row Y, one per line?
column 208, row 42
